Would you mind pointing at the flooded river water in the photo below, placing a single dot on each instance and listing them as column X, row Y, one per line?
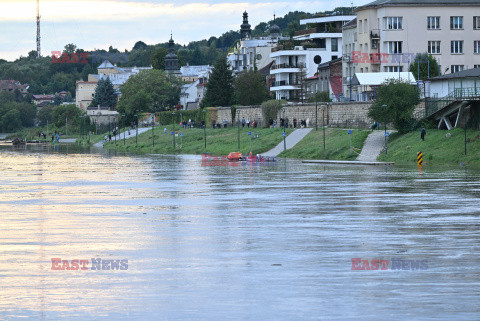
column 289, row 241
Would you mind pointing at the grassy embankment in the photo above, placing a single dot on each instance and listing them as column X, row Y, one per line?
column 437, row 149
column 337, row 145
column 219, row 141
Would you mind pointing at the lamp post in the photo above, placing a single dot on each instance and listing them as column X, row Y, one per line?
column 238, row 125
column 123, row 115
column 385, row 124
column 284, row 134
column 205, row 128
column 316, row 108
column 153, row 130
column 173, row 132
column 136, row 129
column 323, row 125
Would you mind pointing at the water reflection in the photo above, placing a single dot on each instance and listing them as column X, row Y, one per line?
column 247, row 242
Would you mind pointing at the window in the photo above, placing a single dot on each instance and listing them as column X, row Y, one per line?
column 394, row 47
column 365, row 26
column 476, row 23
column 476, row 46
column 434, row 47
column 476, row 66
column 334, row 44
column 366, row 47
column 360, row 26
column 334, row 57
column 393, row 68
column 393, row 23
column 433, row 23
column 457, row 47
column 366, row 69
column 457, row 68
column 456, row 23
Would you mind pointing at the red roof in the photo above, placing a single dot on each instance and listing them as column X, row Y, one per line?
column 336, row 84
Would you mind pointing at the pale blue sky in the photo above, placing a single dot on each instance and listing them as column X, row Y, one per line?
column 98, row 24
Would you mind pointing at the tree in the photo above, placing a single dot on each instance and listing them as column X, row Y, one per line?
column 400, row 99
column 158, row 58
column 11, row 121
column 139, row 45
column 45, row 114
column 66, row 112
column 149, row 91
column 250, row 88
column 219, row 86
column 105, row 93
column 70, row 48
column 426, row 62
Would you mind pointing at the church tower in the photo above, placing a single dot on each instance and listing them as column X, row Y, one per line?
column 171, row 59
column 245, row 28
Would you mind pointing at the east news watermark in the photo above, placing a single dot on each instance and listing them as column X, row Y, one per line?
column 94, row 264
column 82, row 57
column 359, row 264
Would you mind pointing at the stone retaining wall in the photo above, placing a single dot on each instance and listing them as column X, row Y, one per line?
column 346, row 114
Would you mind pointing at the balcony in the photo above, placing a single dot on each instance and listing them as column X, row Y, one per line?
column 375, row 58
column 306, row 32
column 286, row 66
column 375, row 34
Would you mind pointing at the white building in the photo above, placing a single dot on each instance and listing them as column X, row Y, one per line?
column 349, row 38
column 391, row 32
column 322, row 38
column 85, row 90
column 253, row 53
column 459, row 84
column 191, row 94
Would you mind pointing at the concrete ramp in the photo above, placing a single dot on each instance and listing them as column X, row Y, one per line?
column 293, row 139
column 373, row 147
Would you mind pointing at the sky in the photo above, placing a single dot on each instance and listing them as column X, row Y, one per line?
column 121, row 23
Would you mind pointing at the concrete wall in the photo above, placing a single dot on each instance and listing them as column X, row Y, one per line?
column 344, row 114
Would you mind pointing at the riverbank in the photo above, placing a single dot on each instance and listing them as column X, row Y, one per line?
column 440, row 147
column 220, row 141
column 337, row 145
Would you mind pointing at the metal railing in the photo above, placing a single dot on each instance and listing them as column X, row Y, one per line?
column 433, row 105
column 283, row 66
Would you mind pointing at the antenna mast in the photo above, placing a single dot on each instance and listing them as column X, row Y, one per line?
column 38, row 29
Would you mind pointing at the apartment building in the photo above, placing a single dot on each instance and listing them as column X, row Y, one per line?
column 322, row 38
column 391, row 32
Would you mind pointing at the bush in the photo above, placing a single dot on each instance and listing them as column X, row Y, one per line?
column 270, row 109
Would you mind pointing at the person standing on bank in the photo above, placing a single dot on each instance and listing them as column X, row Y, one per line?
column 423, row 133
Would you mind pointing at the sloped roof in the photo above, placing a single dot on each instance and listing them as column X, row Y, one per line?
column 336, row 84
column 469, row 73
column 351, row 24
column 378, row 78
column 106, row 65
column 418, row 3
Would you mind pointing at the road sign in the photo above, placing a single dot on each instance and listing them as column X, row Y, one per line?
column 171, row 133
column 249, row 133
column 387, row 134
column 284, row 134
column 420, row 158
column 349, row 132
column 181, row 134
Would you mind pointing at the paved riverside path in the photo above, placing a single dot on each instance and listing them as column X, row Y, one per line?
column 373, row 146
column 132, row 135
column 291, row 140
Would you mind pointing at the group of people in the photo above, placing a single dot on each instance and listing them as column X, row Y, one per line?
column 247, row 123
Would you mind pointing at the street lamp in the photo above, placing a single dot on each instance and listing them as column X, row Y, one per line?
column 136, row 128
column 173, row 133
column 323, row 124
column 205, row 128
column 238, row 125
column 123, row 115
column 284, row 134
column 385, row 124
column 153, row 130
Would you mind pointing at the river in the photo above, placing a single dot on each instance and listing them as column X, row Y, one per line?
column 288, row 241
